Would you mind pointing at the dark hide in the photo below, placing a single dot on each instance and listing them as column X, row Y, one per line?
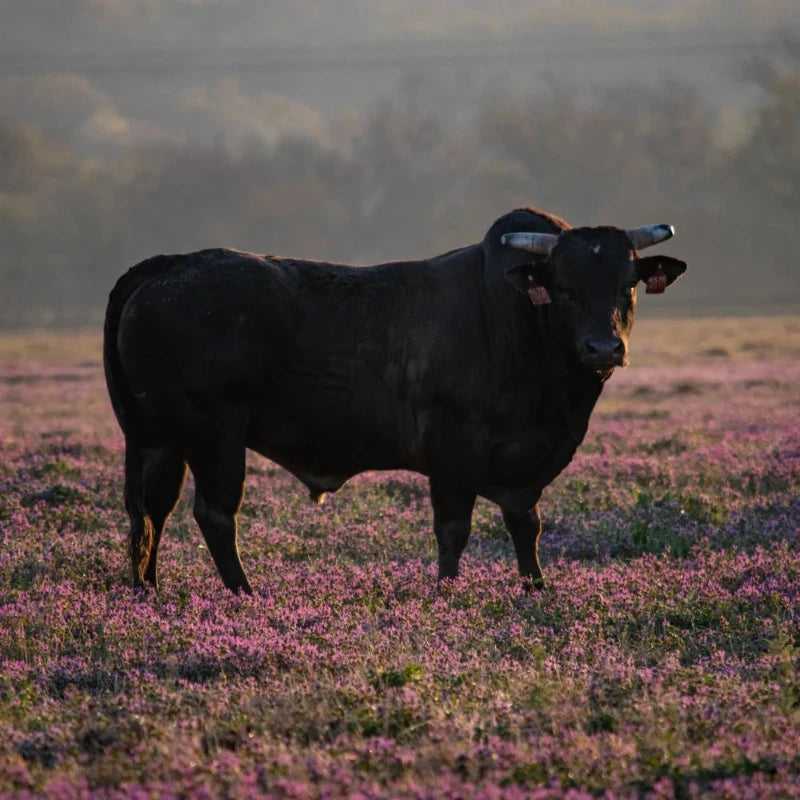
column 440, row 366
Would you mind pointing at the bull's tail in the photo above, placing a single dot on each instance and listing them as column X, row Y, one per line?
column 123, row 402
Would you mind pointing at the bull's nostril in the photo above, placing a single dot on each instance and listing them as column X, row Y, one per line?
column 605, row 350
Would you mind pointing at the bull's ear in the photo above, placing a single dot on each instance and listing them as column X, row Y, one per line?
column 658, row 272
column 530, row 279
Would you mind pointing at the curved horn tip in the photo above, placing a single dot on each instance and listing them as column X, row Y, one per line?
column 648, row 235
column 662, row 232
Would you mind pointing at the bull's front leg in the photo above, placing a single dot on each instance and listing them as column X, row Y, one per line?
column 452, row 518
column 525, row 529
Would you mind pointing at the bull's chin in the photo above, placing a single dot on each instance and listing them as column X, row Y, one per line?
column 603, row 369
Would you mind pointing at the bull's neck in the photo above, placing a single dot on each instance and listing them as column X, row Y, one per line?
column 567, row 385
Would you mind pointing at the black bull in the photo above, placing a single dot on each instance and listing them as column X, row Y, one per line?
column 478, row 368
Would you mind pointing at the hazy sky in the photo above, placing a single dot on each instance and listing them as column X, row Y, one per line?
column 106, row 72
column 75, row 25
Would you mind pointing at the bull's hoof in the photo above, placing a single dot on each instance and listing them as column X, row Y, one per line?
column 240, row 589
column 445, row 585
column 532, row 584
column 317, row 497
column 143, row 590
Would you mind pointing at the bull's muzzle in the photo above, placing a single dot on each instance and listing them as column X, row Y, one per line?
column 603, row 352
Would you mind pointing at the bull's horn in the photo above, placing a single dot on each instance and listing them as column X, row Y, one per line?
column 540, row 243
column 649, row 235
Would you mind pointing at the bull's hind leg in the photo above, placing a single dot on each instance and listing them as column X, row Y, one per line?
column 164, row 474
column 219, row 480
column 525, row 529
column 140, row 538
column 153, row 482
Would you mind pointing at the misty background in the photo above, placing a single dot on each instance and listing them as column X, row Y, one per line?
column 369, row 130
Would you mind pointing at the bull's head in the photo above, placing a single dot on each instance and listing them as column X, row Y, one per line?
column 589, row 275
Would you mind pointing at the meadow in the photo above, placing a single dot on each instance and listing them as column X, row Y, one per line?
column 660, row 660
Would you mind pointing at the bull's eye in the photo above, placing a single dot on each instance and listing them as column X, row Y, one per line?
column 565, row 292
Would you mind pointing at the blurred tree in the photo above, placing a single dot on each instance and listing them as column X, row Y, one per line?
column 411, row 181
column 763, row 191
column 772, row 156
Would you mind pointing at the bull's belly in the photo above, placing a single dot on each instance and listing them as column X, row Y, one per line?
column 325, row 456
column 324, row 453
column 324, row 448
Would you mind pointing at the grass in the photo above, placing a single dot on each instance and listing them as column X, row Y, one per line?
column 660, row 660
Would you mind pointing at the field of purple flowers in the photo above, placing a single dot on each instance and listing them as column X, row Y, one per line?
column 661, row 659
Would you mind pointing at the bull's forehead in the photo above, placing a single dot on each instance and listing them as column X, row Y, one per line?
column 594, row 256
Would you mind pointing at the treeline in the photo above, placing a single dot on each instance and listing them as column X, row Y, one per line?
column 412, row 181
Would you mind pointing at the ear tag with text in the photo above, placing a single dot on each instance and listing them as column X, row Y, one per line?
column 538, row 294
column 657, row 282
